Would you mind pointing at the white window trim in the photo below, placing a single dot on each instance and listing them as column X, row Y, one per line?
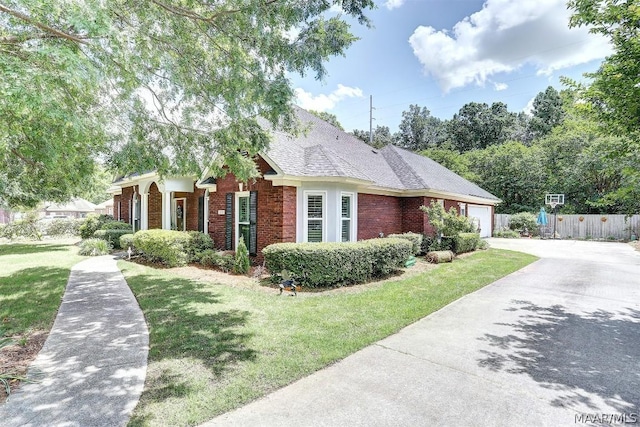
column 305, row 223
column 236, row 215
column 352, row 221
column 462, row 207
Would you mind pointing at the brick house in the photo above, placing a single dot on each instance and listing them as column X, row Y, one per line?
column 323, row 185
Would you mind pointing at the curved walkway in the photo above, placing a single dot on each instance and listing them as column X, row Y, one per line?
column 92, row 367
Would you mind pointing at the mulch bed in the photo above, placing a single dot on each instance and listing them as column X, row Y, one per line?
column 15, row 359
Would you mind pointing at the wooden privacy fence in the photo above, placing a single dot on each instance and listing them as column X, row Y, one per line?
column 600, row 227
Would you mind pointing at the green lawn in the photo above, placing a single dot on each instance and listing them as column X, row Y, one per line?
column 216, row 347
column 33, row 277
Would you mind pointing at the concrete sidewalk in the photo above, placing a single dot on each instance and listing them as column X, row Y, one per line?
column 92, row 368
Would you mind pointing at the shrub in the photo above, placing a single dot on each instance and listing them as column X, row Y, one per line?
column 126, row 241
column 112, row 236
column 446, row 223
column 163, row 246
column 415, row 239
column 221, row 260
column 241, row 264
column 94, row 247
column 327, row 264
column 524, row 222
column 198, row 243
column 483, row 245
column 466, row 242
column 507, row 234
column 61, row 227
column 116, row 225
column 93, row 223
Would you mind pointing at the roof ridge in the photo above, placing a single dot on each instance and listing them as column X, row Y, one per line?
column 397, row 158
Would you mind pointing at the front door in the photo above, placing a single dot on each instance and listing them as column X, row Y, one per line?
column 179, row 214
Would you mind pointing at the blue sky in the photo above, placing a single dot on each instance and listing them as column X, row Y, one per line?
column 442, row 54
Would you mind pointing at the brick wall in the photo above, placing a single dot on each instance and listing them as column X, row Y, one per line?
column 125, row 203
column 276, row 219
column 155, row 207
column 378, row 214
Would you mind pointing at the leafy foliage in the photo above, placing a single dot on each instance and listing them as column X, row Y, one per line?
column 446, row 223
column 61, row 227
column 414, row 238
column 241, row 263
column 87, row 78
column 198, row 243
column 92, row 223
column 163, row 246
column 112, row 236
column 27, row 228
column 523, row 222
column 224, row 261
column 419, row 130
column 94, row 247
column 327, row 117
column 314, row 264
column 466, row 242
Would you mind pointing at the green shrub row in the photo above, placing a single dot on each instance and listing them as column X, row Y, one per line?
column 414, row 238
column 169, row 247
column 94, row 247
column 61, row 227
column 221, row 260
column 327, row 264
column 466, row 242
column 508, row 234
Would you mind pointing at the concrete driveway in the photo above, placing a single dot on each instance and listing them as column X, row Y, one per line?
column 556, row 343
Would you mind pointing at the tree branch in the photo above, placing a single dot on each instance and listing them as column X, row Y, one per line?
column 43, row 27
column 191, row 14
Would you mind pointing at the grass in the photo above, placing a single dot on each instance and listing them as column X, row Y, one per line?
column 216, row 347
column 32, row 281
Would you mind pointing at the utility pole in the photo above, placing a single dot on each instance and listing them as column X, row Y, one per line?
column 371, row 119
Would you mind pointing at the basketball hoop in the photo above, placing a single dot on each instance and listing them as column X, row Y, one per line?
column 554, row 200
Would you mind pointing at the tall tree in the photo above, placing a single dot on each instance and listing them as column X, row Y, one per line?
column 477, row 126
column 420, row 130
column 547, row 112
column 381, row 136
column 327, row 117
column 169, row 84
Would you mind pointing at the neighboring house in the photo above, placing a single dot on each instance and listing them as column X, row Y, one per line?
column 76, row 208
column 322, row 186
column 5, row 216
column 105, row 208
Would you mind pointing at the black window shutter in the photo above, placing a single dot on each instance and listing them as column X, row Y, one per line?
column 201, row 214
column 228, row 229
column 253, row 223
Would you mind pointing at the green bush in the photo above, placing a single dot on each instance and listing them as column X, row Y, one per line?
column 507, row 234
column 446, row 223
column 112, row 236
column 116, row 225
column 162, row 246
column 524, row 223
column 126, row 241
column 241, row 264
column 94, row 247
column 61, row 227
column 198, row 243
column 415, row 239
column 220, row 260
column 466, row 242
column 483, row 245
column 327, row 264
column 25, row 228
column 93, row 223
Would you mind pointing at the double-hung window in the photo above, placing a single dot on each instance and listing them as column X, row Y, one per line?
column 315, row 216
column 346, row 217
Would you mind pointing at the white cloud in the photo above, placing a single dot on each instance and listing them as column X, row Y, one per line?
column 393, row 4
column 324, row 102
column 503, row 36
column 500, row 86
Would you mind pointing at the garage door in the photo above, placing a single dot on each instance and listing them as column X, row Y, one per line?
column 483, row 216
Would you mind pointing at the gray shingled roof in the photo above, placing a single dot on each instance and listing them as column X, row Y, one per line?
column 326, row 151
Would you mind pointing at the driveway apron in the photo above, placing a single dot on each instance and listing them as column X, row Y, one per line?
column 556, row 343
column 92, row 367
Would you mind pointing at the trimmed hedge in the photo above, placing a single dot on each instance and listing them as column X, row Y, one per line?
column 126, row 241
column 93, row 223
column 163, row 246
column 198, row 243
column 326, row 264
column 415, row 239
column 61, row 227
column 466, row 242
column 221, row 260
column 112, row 236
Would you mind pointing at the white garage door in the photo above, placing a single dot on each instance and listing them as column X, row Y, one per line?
column 483, row 216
